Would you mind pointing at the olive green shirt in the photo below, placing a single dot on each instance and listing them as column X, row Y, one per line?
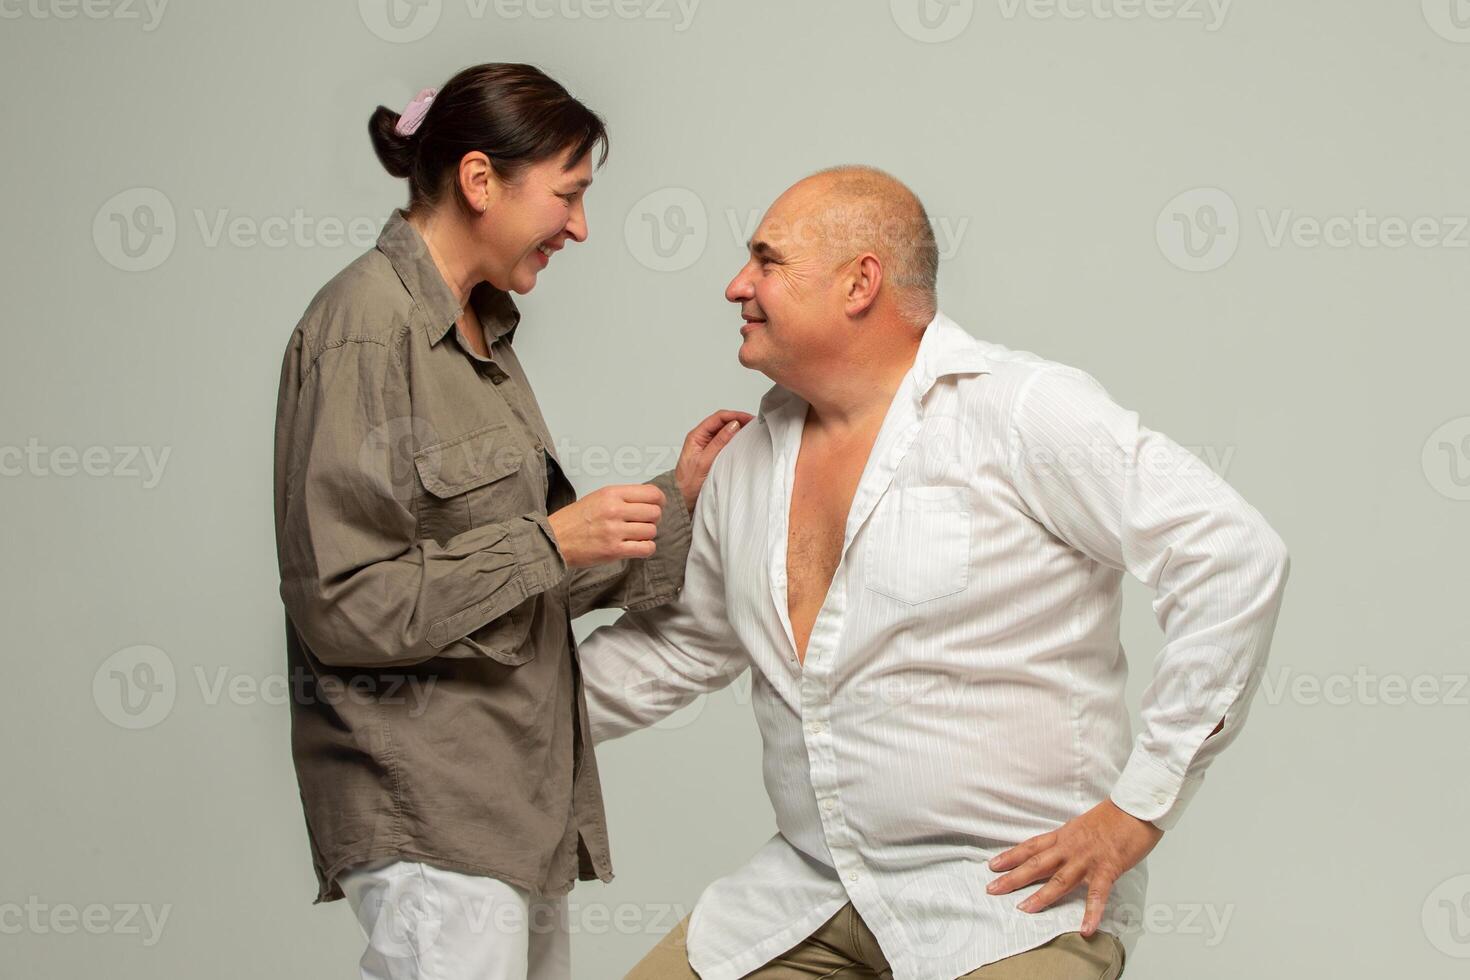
column 437, row 711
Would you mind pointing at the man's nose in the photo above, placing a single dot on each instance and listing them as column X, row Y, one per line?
column 739, row 289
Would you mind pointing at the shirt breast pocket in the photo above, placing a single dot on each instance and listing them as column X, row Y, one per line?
column 471, row 480
column 918, row 544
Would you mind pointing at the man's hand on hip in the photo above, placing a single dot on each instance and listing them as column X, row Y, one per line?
column 1095, row 848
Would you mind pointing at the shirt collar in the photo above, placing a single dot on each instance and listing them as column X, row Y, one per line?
column 405, row 248
column 945, row 348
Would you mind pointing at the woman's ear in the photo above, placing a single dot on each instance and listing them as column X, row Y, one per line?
column 477, row 183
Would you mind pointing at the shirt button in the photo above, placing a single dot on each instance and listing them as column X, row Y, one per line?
column 852, row 876
column 828, row 805
column 1161, row 799
column 816, row 728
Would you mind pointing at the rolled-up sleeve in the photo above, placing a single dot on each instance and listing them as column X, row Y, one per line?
column 360, row 588
column 1134, row 500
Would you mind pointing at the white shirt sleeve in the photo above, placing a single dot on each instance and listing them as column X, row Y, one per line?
column 651, row 663
column 1134, row 500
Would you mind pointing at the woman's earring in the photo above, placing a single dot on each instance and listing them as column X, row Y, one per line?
column 483, row 206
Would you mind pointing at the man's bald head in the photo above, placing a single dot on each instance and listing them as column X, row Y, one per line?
column 855, row 209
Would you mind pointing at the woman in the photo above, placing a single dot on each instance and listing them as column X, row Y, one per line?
column 433, row 554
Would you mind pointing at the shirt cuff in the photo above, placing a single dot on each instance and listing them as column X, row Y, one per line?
column 527, row 541
column 537, row 553
column 664, row 570
column 1149, row 791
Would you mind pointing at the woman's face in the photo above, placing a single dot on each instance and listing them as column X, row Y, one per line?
column 528, row 222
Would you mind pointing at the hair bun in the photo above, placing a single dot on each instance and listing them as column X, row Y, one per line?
column 395, row 151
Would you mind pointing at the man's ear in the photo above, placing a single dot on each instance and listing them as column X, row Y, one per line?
column 864, row 279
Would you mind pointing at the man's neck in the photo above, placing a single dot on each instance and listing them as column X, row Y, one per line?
column 854, row 396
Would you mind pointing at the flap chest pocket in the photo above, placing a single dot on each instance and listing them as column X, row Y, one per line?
column 472, row 460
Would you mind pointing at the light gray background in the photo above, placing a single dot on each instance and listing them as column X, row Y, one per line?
column 1326, row 382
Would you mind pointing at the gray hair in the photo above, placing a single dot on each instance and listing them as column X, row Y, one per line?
column 867, row 209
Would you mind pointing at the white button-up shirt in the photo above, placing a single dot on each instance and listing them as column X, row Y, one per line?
column 963, row 683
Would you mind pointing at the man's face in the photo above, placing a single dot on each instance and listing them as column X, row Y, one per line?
column 787, row 291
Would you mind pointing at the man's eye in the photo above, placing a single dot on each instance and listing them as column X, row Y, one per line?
column 569, row 198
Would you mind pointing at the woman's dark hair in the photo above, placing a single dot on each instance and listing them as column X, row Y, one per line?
column 514, row 114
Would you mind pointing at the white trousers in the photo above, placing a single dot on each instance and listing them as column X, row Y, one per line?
column 426, row 923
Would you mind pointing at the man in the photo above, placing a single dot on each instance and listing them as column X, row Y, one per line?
column 918, row 548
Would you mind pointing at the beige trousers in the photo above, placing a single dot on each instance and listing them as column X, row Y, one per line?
column 844, row 948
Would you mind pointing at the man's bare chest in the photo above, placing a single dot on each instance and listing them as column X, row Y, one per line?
column 822, row 492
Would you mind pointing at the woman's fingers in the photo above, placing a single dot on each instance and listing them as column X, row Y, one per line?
column 718, row 442
column 642, row 513
column 715, row 425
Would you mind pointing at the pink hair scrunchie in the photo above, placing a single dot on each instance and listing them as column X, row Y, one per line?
column 413, row 114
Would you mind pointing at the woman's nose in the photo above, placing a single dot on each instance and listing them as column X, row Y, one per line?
column 577, row 225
